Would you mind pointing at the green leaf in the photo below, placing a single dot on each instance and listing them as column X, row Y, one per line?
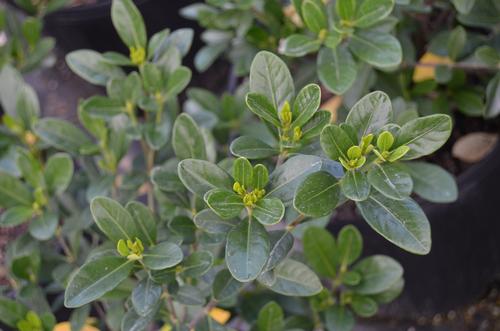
column 456, row 42
column 243, row 172
column 144, row 221
column 355, row 185
column 270, row 77
column 391, row 293
column 424, row 135
column 207, row 55
column 390, row 180
column 189, row 295
column 370, row 113
column 373, row 11
column 378, row 273
column 463, row 6
column 197, row 264
column 113, row 219
column 177, row 81
column 260, row 176
column 16, row 215
column 270, row 318
column 335, row 142
column 146, row 296
column 314, row 15
column 103, row 107
column 261, row 106
column 346, row 9
column 469, row 102
column 92, row 67
column 492, row 106
column 95, row 278
column 336, row 69
column 225, row 286
column 13, row 192
column 293, row 278
column 157, row 134
column 252, row 148
column 11, row 312
column 247, row 250
column 162, row 256
column 128, row 22
column 339, row 318
column 402, row 222
column 31, row 168
column 268, row 211
column 320, row 251
column 58, row 172
column 44, row 226
column 349, row 245
column 381, row 50
column 62, row 135
column 187, row 140
column 364, row 306
column 315, row 125
column 298, row 45
column 200, row 176
column 306, row 104
column 488, row 55
column 281, row 244
column 166, row 179
column 318, row 195
column 224, row 203
column 432, row 182
column 208, row 221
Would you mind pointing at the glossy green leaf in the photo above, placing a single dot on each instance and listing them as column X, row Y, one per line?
column 16, row 215
column 293, row 278
column 101, row 106
column 381, row 50
column 13, row 192
column 201, row 176
column 424, row 135
column 339, row 318
column 270, row 318
column 95, row 278
column 128, row 22
column 261, row 106
column 146, row 296
column 346, row 9
column 189, row 295
column 492, row 106
column 456, row 42
column 349, row 245
column 197, row 264
column 364, row 306
column 391, row 293
column 187, row 140
column 260, row 176
column 58, row 172
column 320, row 251
column 144, row 221
column 177, row 81
column 113, row 219
column 432, row 182
column 306, row 104
column 281, row 244
column 252, row 148
column 208, row 221
column 402, row 222
column 247, row 250
column 373, row 11
column 62, row 135
column 224, row 203
column 270, row 77
column 318, row 195
column 162, row 256
column 225, row 286
column 315, row 125
column 370, row 113
column 463, row 6
column 44, row 226
column 31, row 168
column 298, row 45
column 378, row 273
column 92, row 67
column 335, row 142
column 336, row 69
column 390, row 180
column 268, row 211
column 243, row 172
column 314, row 15
column 355, row 185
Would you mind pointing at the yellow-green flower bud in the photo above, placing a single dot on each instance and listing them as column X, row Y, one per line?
column 286, row 115
column 122, row 248
column 297, row 134
column 137, row 55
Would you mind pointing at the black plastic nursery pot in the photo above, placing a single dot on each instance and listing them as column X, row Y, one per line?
column 89, row 26
column 465, row 254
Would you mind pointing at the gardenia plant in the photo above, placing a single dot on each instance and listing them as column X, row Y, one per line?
column 148, row 218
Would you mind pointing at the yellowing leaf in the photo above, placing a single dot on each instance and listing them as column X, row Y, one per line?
column 221, row 316
column 332, row 105
column 66, row 326
column 426, row 67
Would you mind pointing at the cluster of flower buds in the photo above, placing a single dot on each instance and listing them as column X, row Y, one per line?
column 286, row 122
column 137, row 55
column 249, row 198
column 131, row 249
